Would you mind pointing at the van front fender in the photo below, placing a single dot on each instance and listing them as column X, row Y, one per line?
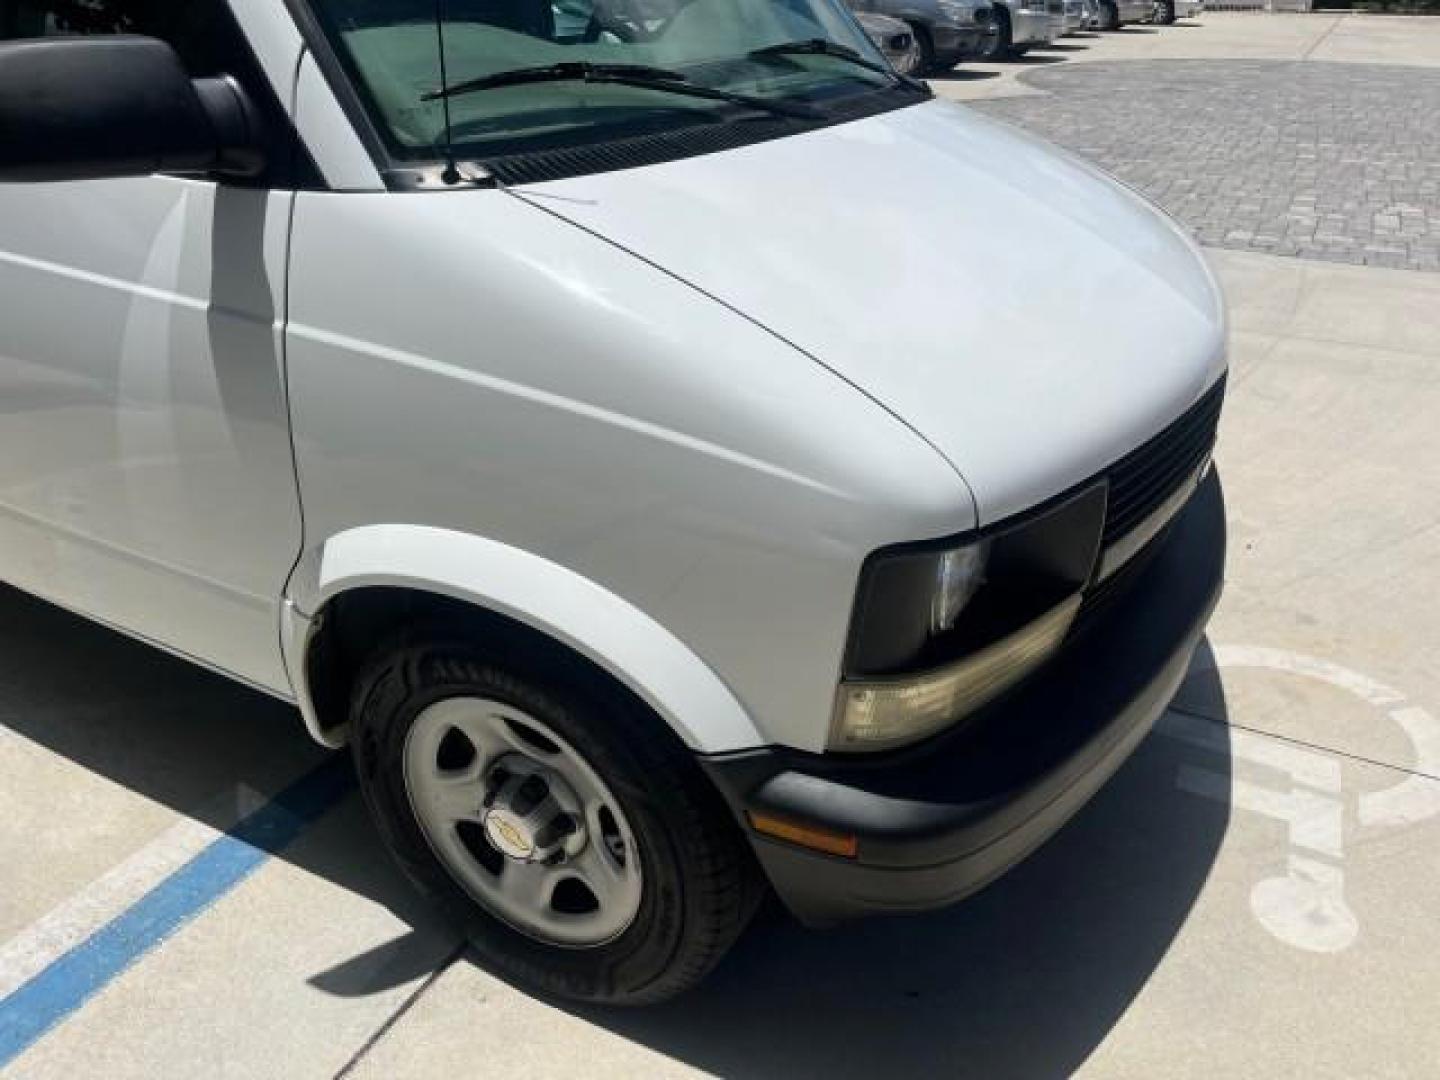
column 565, row 606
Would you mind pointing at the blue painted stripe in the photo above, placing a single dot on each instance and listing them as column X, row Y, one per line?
column 75, row 977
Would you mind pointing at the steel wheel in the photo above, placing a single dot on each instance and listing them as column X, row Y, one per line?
column 523, row 822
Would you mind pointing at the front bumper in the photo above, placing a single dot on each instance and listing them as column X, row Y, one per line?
column 940, row 820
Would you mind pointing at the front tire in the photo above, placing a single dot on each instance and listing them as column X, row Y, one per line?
column 560, row 826
column 1109, row 16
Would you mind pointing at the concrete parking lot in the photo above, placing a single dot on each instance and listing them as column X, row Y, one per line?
column 1254, row 893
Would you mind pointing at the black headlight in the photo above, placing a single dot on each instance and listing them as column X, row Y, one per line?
column 940, row 628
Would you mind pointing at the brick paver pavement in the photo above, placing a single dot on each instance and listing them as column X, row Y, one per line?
column 1318, row 160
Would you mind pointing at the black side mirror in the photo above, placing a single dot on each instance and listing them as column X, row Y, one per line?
column 84, row 108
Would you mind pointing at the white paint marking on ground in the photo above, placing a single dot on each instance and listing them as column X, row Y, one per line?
column 1307, row 768
column 52, row 935
column 1306, row 906
column 1362, row 686
column 1417, row 797
column 1314, row 821
column 1412, row 800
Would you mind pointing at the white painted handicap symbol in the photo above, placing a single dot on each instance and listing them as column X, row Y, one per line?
column 1306, row 906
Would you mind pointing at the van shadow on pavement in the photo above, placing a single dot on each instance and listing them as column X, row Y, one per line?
column 195, row 742
column 1023, row 979
column 960, row 74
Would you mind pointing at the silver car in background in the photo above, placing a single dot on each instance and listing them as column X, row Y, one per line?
column 1116, row 13
column 945, row 30
column 1080, row 15
column 895, row 39
column 1167, row 11
column 1019, row 26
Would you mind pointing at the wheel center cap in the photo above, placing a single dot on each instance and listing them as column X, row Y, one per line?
column 531, row 814
column 509, row 836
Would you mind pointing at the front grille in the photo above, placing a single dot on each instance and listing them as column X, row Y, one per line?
column 1147, row 476
column 1101, row 596
column 1140, row 482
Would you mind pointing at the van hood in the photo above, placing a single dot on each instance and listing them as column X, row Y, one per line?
column 1031, row 318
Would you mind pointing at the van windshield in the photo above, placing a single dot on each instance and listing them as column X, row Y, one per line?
column 802, row 58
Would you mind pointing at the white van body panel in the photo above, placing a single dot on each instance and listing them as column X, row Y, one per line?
column 145, row 469
column 328, row 134
column 982, row 284
column 558, row 602
column 466, row 361
column 276, row 42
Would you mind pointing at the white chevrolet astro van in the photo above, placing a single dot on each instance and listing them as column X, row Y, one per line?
column 674, row 452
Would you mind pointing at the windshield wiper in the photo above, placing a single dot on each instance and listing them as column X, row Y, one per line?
column 824, row 47
column 641, row 75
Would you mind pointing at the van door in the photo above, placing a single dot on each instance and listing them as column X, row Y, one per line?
column 146, row 477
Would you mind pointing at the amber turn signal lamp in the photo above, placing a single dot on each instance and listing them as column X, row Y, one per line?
column 805, row 835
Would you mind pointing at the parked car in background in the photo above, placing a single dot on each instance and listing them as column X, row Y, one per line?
column 895, row 39
column 1116, row 13
column 945, row 30
column 1081, row 15
column 1167, row 11
column 1058, row 18
column 1019, row 26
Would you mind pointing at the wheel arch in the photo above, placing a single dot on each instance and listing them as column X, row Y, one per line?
column 373, row 580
